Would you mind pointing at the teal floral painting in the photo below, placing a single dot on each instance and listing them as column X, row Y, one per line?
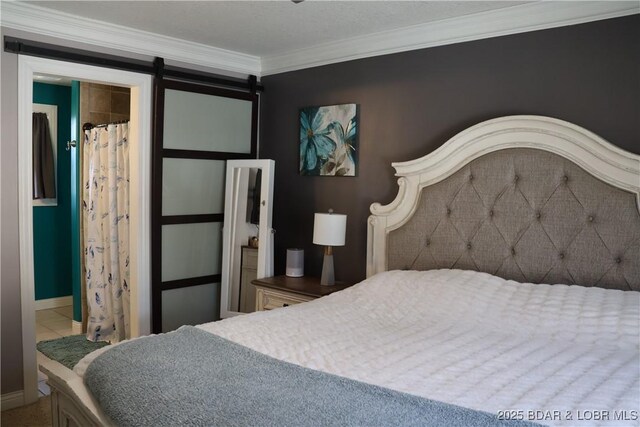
column 329, row 140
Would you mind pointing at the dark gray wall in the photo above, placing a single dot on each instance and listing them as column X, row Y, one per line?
column 10, row 315
column 411, row 103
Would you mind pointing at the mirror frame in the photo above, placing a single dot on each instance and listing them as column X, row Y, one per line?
column 265, row 231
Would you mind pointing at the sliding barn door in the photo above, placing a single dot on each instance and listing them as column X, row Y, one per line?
column 197, row 128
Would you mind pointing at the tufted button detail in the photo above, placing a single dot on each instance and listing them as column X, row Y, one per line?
column 538, row 215
column 561, row 255
column 468, row 245
column 590, row 218
column 470, row 177
column 513, row 251
column 618, row 260
column 428, row 242
column 448, row 211
column 516, row 178
column 491, row 212
column 565, row 178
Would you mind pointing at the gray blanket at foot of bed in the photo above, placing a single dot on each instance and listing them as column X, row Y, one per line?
column 192, row 377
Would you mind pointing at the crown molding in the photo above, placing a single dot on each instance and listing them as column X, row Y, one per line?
column 34, row 19
column 516, row 19
column 511, row 20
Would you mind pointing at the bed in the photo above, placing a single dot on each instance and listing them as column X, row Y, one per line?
column 470, row 302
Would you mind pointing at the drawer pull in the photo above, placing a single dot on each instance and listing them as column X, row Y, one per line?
column 285, row 305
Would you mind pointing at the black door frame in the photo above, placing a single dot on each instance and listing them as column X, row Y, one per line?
column 158, row 156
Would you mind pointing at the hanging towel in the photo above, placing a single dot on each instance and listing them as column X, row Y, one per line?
column 44, row 178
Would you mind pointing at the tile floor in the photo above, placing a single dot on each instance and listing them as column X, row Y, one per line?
column 51, row 324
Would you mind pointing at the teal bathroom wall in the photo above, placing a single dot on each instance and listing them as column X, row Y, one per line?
column 52, row 224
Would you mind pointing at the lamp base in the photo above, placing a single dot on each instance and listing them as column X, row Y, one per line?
column 328, row 277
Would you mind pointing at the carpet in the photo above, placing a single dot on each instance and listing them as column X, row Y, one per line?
column 68, row 350
column 37, row 414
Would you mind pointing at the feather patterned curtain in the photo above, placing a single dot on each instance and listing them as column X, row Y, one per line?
column 105, row 205
column 44, row 174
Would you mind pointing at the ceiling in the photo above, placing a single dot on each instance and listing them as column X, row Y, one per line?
column 263, row 28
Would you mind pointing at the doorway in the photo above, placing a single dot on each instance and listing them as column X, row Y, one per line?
column 139, row 136
column 60, row 224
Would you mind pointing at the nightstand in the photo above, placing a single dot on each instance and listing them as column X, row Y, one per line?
column 282, row 291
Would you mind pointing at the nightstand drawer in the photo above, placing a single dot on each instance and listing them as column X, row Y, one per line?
column 268, row 299
column 281, row 291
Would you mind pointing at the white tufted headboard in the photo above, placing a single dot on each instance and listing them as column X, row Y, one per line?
column 528, row 198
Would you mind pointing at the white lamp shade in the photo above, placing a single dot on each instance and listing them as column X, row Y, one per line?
column 329, row 229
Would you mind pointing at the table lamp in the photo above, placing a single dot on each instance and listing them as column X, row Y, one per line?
column 329, row 230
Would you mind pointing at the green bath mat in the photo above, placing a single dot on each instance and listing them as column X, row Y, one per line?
column 68, row 350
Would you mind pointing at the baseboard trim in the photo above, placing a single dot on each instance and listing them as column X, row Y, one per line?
column 45, row 304
column 76, row 327
column 12, row 400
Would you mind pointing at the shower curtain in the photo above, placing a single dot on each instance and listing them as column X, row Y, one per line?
column 105, row 206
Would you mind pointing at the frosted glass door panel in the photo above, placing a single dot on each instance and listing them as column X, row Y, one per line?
column 191, row 250
column 196, row 121
column 192, row 187
column 190, row 306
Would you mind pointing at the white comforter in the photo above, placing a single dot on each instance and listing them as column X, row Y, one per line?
column 558, row 355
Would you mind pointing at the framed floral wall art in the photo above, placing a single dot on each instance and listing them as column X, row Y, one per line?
column 329, row 140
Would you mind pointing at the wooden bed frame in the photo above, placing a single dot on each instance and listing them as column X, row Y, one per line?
column 72, row 405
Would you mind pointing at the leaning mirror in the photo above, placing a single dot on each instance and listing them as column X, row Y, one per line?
column 247, row 234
